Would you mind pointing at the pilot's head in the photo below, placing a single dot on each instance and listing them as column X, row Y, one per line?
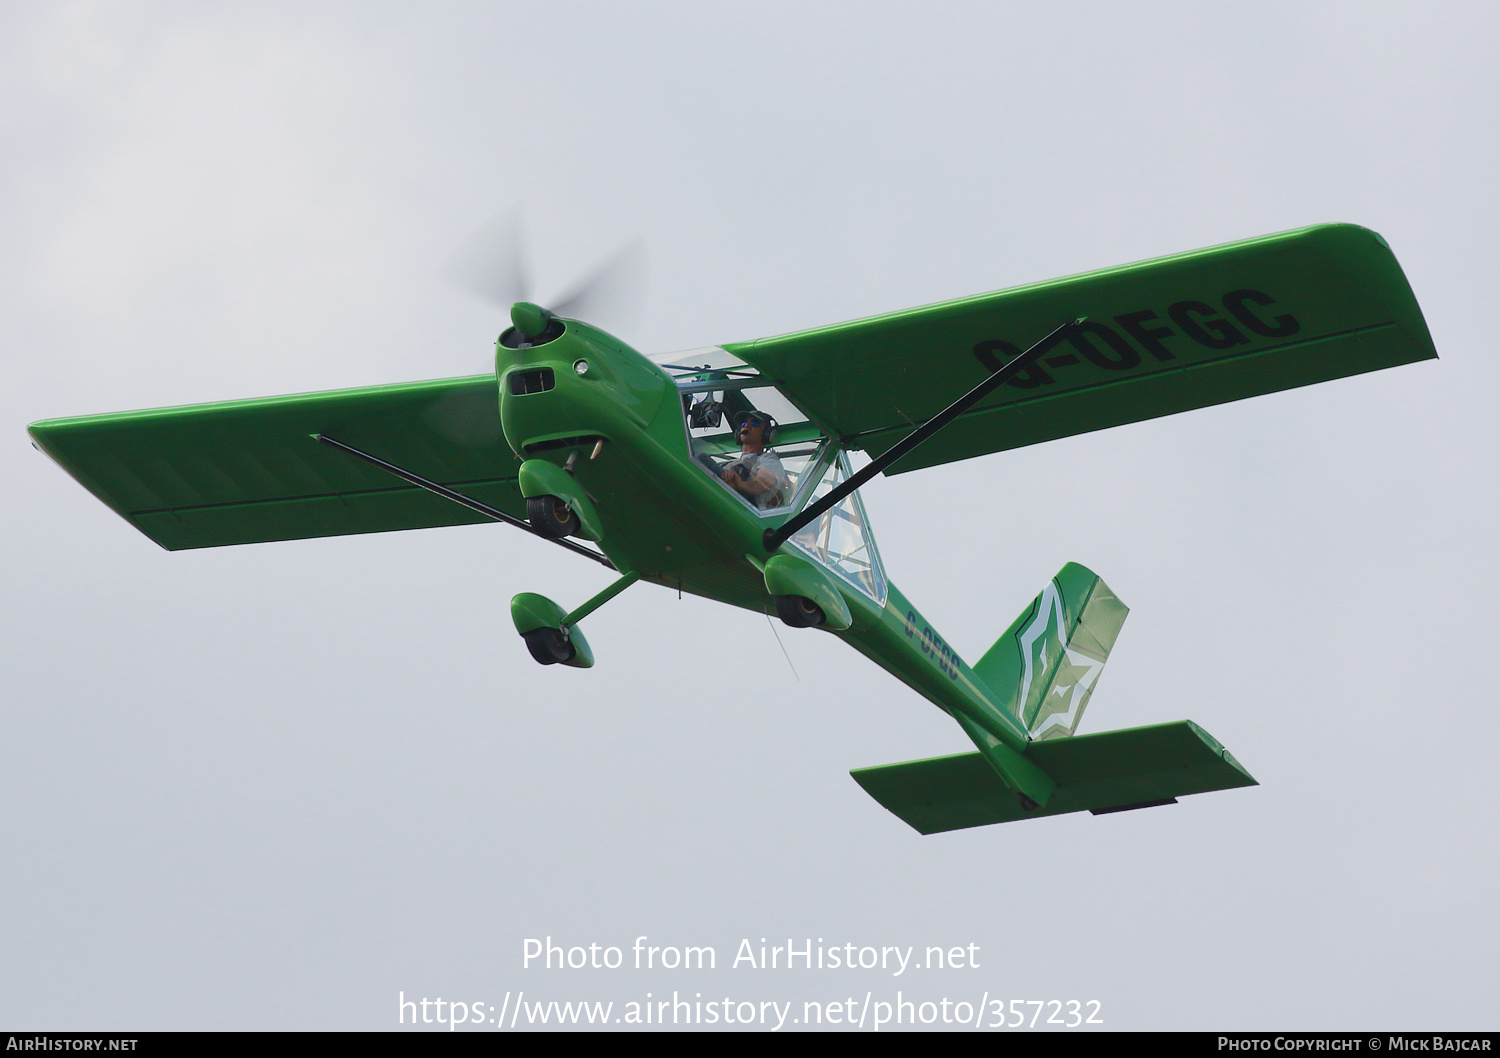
column 754, row 430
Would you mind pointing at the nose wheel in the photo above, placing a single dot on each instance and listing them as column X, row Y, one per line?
column 552, row 516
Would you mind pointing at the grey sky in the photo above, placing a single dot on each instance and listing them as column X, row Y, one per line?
column 272, row 786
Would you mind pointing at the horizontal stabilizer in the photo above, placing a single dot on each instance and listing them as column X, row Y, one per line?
column 1110, row 771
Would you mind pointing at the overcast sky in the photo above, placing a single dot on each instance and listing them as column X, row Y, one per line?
column 279, row 786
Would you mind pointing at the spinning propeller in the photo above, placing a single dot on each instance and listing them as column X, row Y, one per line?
column 492, row 265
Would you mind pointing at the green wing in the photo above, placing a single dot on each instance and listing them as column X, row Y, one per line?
column 248, row 471
column 1162, row 336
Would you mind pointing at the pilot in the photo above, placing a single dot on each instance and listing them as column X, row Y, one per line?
column 756, row 473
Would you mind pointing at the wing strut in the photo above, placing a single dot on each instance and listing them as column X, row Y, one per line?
column 774, row 538
column 459, row 498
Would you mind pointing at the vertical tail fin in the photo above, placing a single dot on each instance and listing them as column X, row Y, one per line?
column 1045, row 666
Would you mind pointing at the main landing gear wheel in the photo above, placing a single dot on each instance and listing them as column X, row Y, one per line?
column 552, row 516
column 548, row 646
column 798, row 611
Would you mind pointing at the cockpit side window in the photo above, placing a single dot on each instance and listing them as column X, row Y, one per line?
column 749, row 437
column 720, row 392
column 840, row 539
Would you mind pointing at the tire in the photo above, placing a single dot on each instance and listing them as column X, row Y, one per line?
column 798, row 611
column 552, row 516
column 548, row 646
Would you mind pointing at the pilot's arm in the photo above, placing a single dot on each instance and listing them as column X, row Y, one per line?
column 742, row 479
column 754, row 484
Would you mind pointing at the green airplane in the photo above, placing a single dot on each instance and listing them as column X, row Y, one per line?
column 725, row 472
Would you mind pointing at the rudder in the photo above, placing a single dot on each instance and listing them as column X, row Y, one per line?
column 1044, row 668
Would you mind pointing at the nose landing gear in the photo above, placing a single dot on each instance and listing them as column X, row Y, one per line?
column 552, row 515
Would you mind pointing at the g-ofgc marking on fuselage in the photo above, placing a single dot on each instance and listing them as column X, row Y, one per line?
column 645, row 465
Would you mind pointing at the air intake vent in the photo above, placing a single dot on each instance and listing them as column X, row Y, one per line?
column 538, row 381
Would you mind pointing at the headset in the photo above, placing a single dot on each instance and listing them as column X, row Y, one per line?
column 767, row 422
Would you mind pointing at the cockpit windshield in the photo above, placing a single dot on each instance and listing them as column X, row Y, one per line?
column 682, row 366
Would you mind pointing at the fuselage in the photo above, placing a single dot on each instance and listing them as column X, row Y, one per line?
column 664, row 517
